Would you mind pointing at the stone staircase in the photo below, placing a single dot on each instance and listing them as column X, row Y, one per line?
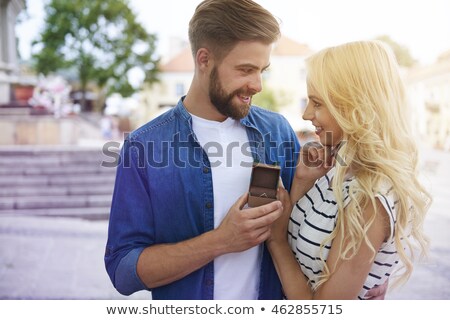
column 60, row 182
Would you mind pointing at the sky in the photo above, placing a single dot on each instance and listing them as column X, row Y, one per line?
column 423, row 26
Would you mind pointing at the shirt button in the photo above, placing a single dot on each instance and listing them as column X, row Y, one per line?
column 209, row 205
column 209, row 282
column 205, row 170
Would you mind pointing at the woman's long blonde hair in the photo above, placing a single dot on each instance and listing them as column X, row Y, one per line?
column 360, row 84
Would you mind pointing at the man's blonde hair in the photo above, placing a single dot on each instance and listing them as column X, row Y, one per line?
column 219, row 25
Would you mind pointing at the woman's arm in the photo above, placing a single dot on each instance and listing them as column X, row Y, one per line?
column 349, row 275
column 287, row 267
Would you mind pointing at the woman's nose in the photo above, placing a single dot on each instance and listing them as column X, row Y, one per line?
column 308, row 114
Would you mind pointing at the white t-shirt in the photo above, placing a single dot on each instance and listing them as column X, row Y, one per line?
column 236, row 275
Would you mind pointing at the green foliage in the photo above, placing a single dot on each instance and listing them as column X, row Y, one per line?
column 100, row 39
column 401, row 52
column 269, row 99
column 265, row 99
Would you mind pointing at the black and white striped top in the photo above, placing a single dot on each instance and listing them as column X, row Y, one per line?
column 314, row 218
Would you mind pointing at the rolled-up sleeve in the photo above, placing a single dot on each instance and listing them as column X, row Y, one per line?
column 131, row 227
column 126, row 279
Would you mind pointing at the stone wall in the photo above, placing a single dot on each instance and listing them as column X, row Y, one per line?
column 45, row 130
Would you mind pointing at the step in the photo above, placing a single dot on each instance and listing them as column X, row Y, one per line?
column 82, row 179
column 56, row 170
column 43, row 202
column 52, row 161
column 55, row 162
column 37, row 150
column 61, row 181
column 97, row 213
column 21, row 191
column 33, row 152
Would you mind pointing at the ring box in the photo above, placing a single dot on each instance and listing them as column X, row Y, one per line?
column 263, row 184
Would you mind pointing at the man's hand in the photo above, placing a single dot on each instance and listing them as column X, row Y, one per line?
column 377, row 293
column 242, row 229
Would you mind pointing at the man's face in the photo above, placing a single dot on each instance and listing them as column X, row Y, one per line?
column 237, row 78
column 224, row 101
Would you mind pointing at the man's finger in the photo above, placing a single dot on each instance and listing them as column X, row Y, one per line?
column 242, row 201
column 329, row 156
column 268, row 219
column 261, row 211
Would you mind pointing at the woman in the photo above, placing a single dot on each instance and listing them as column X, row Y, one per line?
column 357, row 206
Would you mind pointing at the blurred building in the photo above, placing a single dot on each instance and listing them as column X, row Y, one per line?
column 429, row 92
column 286, row 77
column 9, row 66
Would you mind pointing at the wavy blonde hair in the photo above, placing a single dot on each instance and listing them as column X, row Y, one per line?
column 360, row 84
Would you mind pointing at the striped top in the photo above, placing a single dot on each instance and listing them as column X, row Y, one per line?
column 313, row 218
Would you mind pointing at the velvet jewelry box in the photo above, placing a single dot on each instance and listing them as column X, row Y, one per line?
column 263, row 184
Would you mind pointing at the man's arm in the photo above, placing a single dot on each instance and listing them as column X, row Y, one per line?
column 240, row 230
column 378, row 292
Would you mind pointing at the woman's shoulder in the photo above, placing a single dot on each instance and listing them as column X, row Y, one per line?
column 388, row 199
column 386, row 194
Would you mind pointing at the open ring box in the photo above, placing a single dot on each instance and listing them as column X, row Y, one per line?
column 263, row 184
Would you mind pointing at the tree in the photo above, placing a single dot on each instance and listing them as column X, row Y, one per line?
column 100, row 39
column 401, row 52
column 269, row 99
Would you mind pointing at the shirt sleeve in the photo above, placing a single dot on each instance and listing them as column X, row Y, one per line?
column 388, row 202
column 131, row 227
column 291, row 157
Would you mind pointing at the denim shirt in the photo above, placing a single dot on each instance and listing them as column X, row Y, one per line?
column 164, row 194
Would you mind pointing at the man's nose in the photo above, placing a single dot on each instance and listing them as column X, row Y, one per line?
column 255, row 83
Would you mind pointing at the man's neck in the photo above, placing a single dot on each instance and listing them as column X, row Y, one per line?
column 198, row 103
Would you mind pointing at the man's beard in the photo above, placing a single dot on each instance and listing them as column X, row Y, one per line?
column 223, row 101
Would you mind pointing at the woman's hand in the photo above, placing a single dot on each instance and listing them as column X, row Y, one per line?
column 280, row 226
column 315, row 160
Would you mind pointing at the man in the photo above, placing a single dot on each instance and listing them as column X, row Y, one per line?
column 179, row 223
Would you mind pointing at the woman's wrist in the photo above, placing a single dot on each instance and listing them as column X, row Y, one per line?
column 305, row 181
column 277, row 242
column 299, row 188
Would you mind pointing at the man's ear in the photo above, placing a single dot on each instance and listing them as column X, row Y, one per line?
column 203, row 58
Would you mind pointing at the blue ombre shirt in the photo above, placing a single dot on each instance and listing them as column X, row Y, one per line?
column 164, row 194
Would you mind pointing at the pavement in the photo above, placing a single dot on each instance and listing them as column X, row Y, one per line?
column 62, row 258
